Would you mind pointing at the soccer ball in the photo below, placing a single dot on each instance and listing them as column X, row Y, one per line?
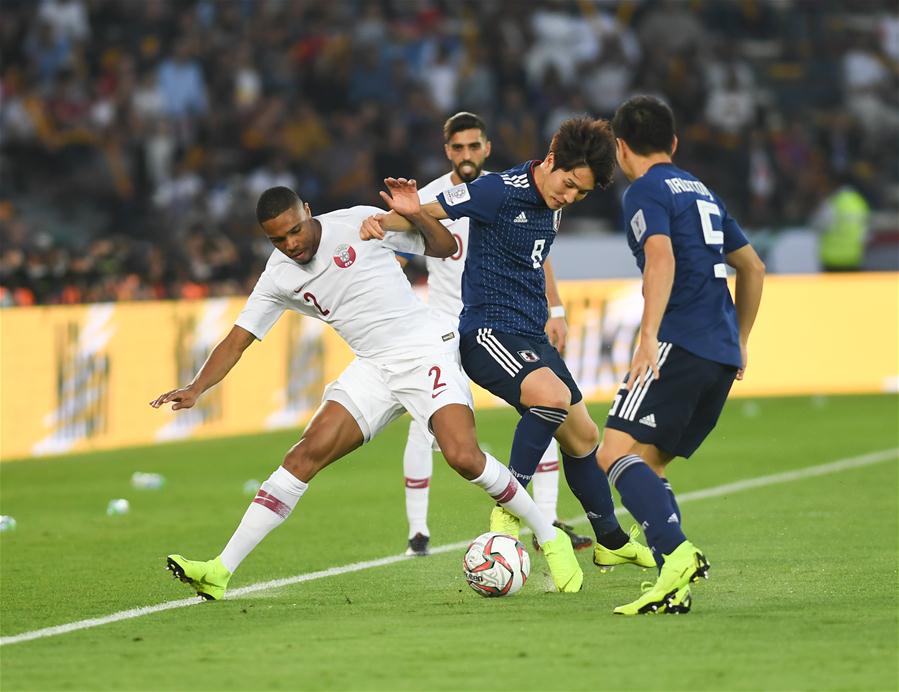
column 496, row 565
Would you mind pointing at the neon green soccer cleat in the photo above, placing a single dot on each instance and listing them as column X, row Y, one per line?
column 563, row 565
column 209, row 579
column 684, row 565
column 503, row 521
column 631, row 553
column 678, row 604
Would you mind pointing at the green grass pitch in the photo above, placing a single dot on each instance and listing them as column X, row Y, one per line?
column 802, row 594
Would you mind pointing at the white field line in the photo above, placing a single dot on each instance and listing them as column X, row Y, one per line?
column 717, row 491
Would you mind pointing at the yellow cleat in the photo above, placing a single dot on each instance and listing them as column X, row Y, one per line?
column 563, row 565
column 503, row 521
column 685, row 564
column 209, row 579
column 631, row 553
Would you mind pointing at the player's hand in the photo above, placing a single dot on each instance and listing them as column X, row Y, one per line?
column 744, row 357
column 185, row 397
column 402, row 196
column 557, row 331
column 645, row 363
column 371, row 228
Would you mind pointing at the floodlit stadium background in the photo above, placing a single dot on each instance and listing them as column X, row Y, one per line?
column 135, row 137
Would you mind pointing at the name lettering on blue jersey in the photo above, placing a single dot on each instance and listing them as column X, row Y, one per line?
column 457, row 194
column 678, row 185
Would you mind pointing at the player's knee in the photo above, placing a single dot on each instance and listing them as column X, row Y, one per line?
column 555, row 395
column 305, row 458
column 606, row 456
column 465, row 459
column 590, row 437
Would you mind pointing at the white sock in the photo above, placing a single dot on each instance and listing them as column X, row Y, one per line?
column 418, row 466
column 546, row 481
column 273, row 503
column 503, row 487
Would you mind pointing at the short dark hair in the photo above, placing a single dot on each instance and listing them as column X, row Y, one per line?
column 646, row 124
column 274, row 202
column 462, row 121
column 585, row 142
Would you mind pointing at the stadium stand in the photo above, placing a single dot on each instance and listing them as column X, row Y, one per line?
column 135, row 136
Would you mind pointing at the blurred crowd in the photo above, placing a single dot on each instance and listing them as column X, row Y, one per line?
column 135, row 135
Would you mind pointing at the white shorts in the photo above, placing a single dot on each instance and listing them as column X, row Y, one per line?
column 376, row 393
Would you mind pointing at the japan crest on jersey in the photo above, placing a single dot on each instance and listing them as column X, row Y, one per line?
column 344, row 256
column 557, row 219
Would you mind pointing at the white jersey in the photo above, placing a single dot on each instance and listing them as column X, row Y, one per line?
column 355, row 286
column 445, row 275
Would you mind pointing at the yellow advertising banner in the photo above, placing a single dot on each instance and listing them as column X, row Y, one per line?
column 76, row 378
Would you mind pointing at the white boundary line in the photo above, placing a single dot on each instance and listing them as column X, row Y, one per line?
column 717, row 491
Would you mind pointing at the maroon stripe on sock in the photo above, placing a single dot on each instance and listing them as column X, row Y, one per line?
column 273, row 503
column 508, row 493
column 418, row 482
column 548, row 466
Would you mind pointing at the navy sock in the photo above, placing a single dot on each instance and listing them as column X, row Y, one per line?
column 532, row 436
column 670, row 490
column 646, row 498
column 591, row 487
column 657, row 555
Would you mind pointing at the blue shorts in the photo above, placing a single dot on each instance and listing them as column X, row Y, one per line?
column 499, row 362
column 678, row 411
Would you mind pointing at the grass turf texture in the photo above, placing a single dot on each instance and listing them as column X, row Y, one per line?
column 802, row 592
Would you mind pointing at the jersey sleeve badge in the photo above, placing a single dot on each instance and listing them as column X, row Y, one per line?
column 638, row 224
column 457, row 195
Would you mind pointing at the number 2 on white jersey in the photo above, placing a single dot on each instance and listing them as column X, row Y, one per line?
column 537, row 252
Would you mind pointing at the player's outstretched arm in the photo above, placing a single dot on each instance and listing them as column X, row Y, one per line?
column 402, row 198
column 374, row 227
column 220, row 361
column 748, row 294
column 658, row 278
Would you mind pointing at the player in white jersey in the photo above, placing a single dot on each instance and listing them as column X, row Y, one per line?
column 404, row 361
column 466, row 147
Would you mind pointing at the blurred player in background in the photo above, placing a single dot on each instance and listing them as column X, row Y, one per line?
column 693, row 340
column 513, row 219
column 466, row 146
column 405, row 361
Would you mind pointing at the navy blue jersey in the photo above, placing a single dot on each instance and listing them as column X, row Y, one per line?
column 700, row 316
column 510, row 233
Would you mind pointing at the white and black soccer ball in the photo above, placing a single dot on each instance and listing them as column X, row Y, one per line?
column 496, row 565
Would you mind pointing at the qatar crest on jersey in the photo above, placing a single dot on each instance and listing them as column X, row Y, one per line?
column 344, row 255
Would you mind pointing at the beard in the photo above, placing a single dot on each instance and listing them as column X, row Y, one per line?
column 467, row 171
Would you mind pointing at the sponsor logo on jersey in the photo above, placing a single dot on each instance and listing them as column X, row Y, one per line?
column 521, row 218
column 649, row 420
column 529, row 356
column 344, row 256
column 457, row 195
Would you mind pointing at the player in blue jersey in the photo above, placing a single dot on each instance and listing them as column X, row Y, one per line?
column 514, row 217
column 467, row 148
column 692, row 339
